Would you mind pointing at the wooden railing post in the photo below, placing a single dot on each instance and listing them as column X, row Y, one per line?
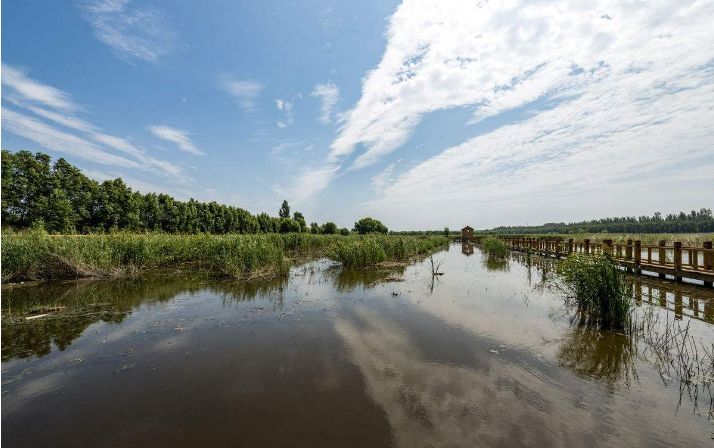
column 694, row 258
column 638, row 256
column 678, row 261
column 570, row 246
column 587, row 246
column 708, row 261
column 662, row 256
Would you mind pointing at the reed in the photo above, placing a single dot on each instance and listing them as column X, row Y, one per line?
column 371, row 250
column 35, row 255
column 494, row 247
column 598, row 289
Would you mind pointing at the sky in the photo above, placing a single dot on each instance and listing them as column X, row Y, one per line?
column 422, row 114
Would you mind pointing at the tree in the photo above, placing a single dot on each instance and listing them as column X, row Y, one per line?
column 284, row 211
column 314, row 228
column 329, row 228
column 297, row 216
column 369, row 225
column 288, row 225
column 344, row 231
column 446, row 232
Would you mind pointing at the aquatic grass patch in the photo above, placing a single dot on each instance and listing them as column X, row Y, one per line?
column 35, row 255
column 597, row 287
column 364, row 251
column 494, row 247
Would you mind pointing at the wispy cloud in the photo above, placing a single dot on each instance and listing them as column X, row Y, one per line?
column 34, row 92
column 244, row 91
column 308, row 182
column 49, row 137
column 79, row 138
column 180, row 137
column 287, row 108
column 329, row 95
column 132, row 31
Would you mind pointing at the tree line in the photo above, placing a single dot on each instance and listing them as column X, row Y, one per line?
column 694, row 221
column 60, row 198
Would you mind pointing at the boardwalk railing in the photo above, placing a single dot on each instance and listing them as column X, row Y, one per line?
column 676, row 260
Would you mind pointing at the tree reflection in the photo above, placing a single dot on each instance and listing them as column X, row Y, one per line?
column 71, row 307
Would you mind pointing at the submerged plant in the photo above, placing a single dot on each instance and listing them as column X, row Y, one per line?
column 597, row 287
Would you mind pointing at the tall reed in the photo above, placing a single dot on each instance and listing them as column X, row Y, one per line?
column 597, row 287
column 494, row 247
column 35, row 255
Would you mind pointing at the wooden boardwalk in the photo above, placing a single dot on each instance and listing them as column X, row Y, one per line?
column 678, row 261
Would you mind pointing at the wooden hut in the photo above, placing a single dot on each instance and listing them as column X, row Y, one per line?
column 467, row 233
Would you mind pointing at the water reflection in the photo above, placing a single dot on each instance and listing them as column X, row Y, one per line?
column 481, row 356
column 467, row 248
column 605, row 355
column 349, row 279
column 36, row 317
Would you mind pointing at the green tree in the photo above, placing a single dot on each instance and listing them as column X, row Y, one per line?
column 297, row 216
column 329, row 228
column 344, row 231
column 284, row 211
column 369, row 225
column 288, row 225
column 446, row 232
column 314, row 228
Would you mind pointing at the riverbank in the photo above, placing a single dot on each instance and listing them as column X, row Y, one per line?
column 34, row 255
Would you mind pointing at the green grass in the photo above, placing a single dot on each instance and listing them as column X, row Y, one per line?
column 494, row 247
column 597, row 287
column 35, row 255
column 372, row 250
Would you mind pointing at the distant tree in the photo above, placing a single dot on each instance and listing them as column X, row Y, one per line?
column 344, row 231
column 297, row 216
column 329, row 228
column 314, row 228
column 288, row 225
column 284, row 211
column 369, row 225
column 446, row 232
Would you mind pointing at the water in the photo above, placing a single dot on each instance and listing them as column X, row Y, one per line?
column 484, row 355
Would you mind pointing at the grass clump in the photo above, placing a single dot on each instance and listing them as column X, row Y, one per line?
column 494, row 247
column 35, row 255
column 597, row 287
column 360, row 252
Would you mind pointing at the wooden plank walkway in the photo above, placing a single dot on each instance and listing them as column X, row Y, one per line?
column 679, row 261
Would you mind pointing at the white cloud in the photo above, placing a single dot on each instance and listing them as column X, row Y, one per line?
column 180, row 137
column 630, row 92
column 308, row 182
column 57, row 106
column 131, row 31
column 244, row 91
column 329, row 95
column 49, row 137
column 287, row 108
column 34, row 92
column 384, row 179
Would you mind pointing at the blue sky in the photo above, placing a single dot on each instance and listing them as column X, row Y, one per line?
column 423, row 114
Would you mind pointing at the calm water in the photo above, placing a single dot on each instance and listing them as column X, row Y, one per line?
column 484, row 355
